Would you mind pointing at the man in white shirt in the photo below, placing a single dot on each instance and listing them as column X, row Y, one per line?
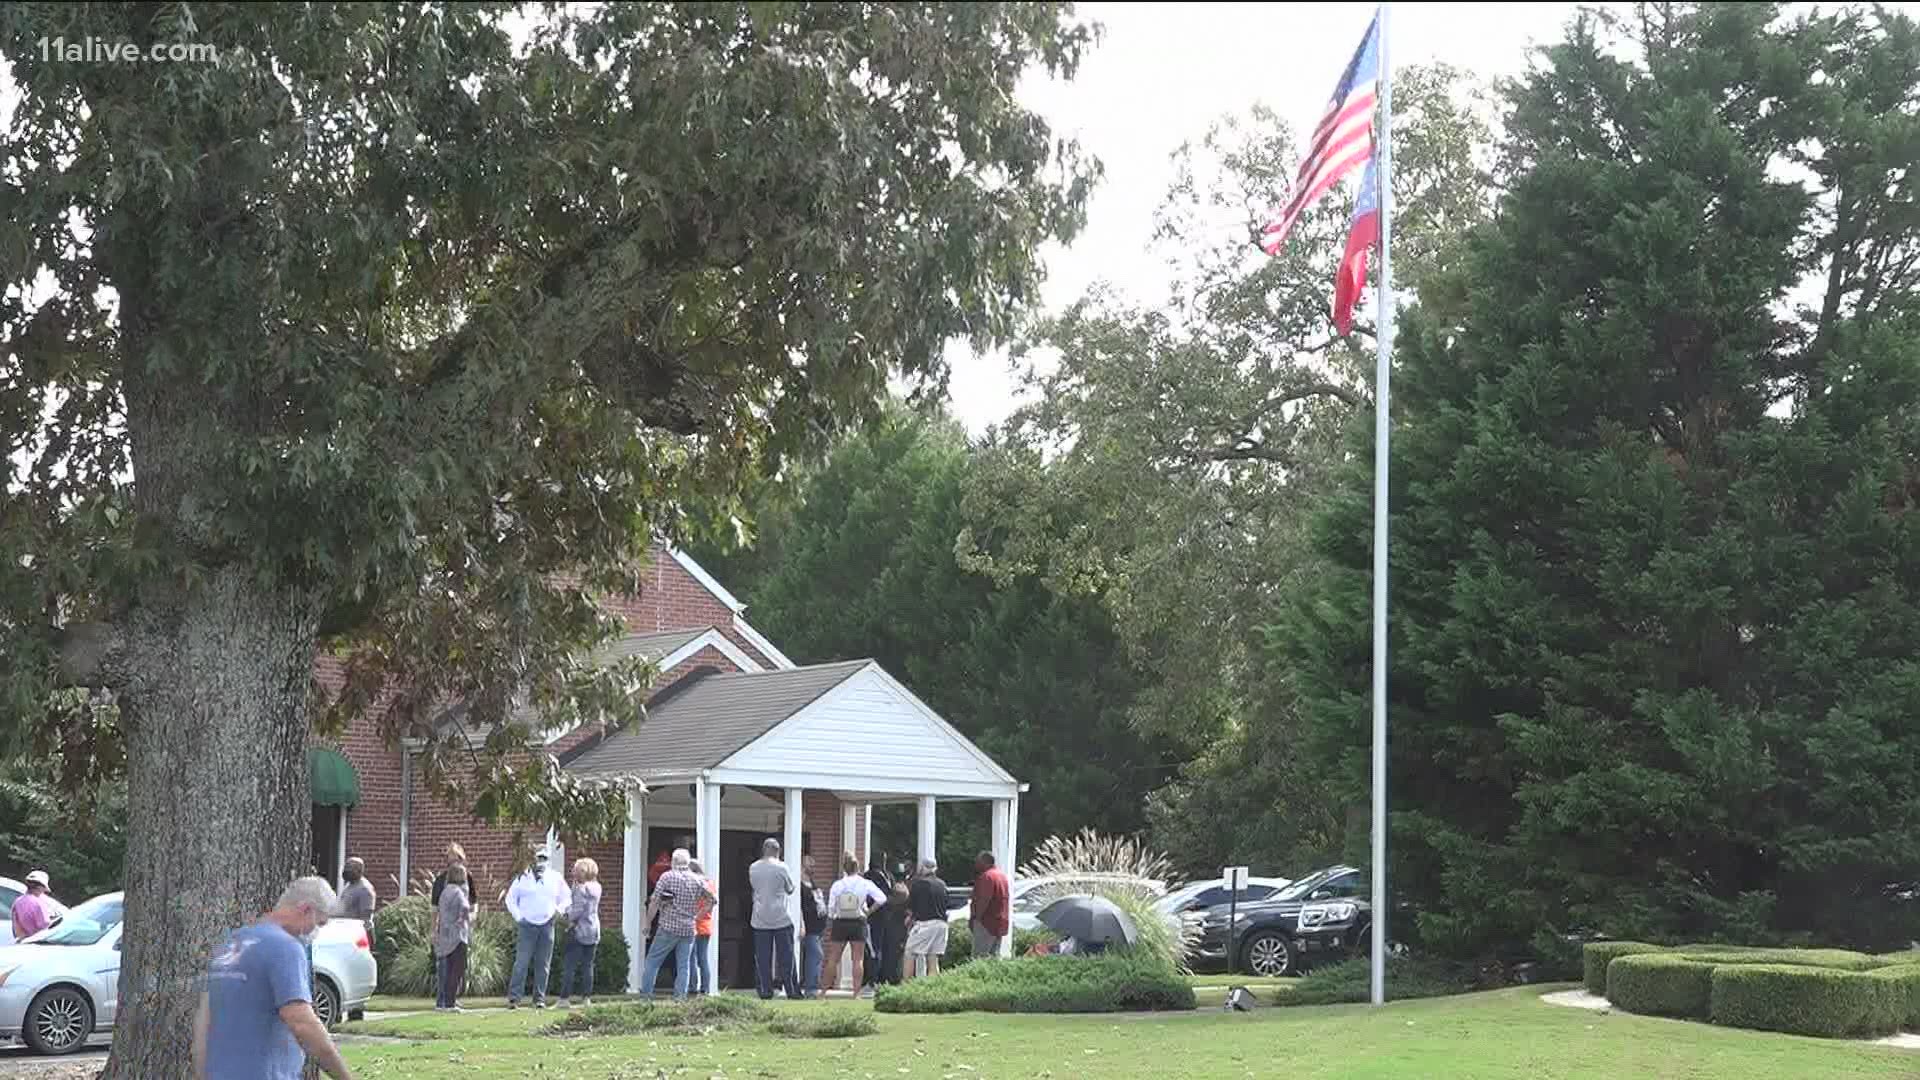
column 534, row 899
column 772, row 923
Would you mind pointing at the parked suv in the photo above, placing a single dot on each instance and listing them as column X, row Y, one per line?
column 1322, row 916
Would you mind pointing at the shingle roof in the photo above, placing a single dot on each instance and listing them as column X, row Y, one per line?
column 652, row 646
column 704, row 719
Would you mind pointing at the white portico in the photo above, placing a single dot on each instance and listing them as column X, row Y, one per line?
column 731, row 757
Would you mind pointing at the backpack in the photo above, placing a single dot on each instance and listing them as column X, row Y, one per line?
column 850, row 904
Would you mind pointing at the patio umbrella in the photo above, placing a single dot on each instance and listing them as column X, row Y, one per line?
column 1089, row 919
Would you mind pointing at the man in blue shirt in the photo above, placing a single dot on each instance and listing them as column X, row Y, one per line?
column 256, row 1019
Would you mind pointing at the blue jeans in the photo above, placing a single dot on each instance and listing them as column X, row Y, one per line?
column 811, row 958
column 773, row 961
column 579, row 957
column 702, row 980
column 679, row 946
column 534, row 949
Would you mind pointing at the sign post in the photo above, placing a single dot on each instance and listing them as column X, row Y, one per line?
column 1235, row 879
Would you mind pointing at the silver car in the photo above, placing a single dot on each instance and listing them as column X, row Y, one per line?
column 62, row 986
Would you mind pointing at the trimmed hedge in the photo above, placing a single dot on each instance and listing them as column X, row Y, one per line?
column 1803, row 1000
column 1661, row 984
column 1905, row 978
column 1597, row 955
column 1107, row 982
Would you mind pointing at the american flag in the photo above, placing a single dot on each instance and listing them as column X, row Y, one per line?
column 1341, row 143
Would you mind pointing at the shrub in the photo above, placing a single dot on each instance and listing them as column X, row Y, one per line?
column 1661, row 984
column 960, row 943
column 698, row 1016
column 1352, row 981
column 1905, row 979
column 403, row 923
column 411, row 973
column 1834, row 959
column 1123, row 871
column 833, row 1023
column 1108, row 982
column 1805, row 1000
column 1597, row 955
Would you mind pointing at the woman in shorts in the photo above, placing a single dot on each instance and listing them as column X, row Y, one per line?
column 851, row 900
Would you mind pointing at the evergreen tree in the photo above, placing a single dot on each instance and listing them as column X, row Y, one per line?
column 1655, row 648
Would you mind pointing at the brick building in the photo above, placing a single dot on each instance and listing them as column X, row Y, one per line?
column 738, row 744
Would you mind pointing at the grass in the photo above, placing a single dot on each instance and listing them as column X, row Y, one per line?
column 1500, row 1035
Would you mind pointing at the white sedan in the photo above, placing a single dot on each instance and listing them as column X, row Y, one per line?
column 61, row 986
column 11, row 890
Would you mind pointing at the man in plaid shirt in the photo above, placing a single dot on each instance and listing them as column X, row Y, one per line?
column 680, row 898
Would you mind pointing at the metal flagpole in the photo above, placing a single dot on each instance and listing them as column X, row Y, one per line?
column 1382, row 365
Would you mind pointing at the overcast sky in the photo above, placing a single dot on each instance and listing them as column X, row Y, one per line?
column 1164, row 72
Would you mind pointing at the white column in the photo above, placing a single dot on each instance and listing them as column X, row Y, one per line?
column 926, row 829
column 849, row 826
column 849, row 831
column 790, row 849
column 633, row 886
column 1005, row 814
column 706, row 820
column 866, row 834
column 340, row 856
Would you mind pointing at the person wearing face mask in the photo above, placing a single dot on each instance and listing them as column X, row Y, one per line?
column 256, row 1018
column 535, row 898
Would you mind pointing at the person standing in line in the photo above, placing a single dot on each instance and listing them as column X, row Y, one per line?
column 772, row 923
column 851, row 900
column 892, row 923
column 678, row 901
column 31, row 913
column 358, row 898
column 256, row 1018
column 456, row 855
column 452, row 933
column 701, row 981
column 583, row 931
column 926, row 922
column 535, row 898
column 813, row 919
column 992, row 915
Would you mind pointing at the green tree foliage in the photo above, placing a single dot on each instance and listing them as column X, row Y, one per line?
column 1654, row 552
column 863, row 565
column 1169, row 460
column 399, row 328
column 79, row 840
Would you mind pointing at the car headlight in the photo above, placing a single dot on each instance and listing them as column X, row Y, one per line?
column 1323, row 914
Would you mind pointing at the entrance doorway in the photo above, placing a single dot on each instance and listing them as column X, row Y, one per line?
column 329, row 834
column 733, row 924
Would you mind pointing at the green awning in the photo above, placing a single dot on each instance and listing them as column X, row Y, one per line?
column 332, row 778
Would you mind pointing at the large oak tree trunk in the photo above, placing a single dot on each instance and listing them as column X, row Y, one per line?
column 214, row 709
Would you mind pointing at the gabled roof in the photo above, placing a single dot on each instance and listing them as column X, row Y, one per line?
column 652, row 646
column 705, row 718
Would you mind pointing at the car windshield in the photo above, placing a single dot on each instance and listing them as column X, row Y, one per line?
column 84, row 925
column 1304, row 886
column 1179, row 898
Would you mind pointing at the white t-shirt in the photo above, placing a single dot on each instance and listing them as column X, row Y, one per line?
column 857, row 885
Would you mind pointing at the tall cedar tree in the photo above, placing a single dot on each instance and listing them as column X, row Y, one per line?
column 862, row 563
column 1655, row 633
column 398, row 329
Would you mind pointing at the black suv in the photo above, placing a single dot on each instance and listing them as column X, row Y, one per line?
column 1323, row 916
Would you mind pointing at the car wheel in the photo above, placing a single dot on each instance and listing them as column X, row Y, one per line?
column 326, row 1003
column 59, row 1021
column 1268, row 955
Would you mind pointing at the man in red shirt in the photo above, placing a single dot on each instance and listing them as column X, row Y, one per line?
column 992, row 912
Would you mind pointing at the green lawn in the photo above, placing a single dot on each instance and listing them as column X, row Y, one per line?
column 1502, row 1035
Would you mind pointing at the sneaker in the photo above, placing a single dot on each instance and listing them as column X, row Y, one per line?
column 512, row 1004
column 455, row 1008
column 584, row 1002
column 541, row 1004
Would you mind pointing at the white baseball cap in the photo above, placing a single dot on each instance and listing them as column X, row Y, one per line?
column 38, row 877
